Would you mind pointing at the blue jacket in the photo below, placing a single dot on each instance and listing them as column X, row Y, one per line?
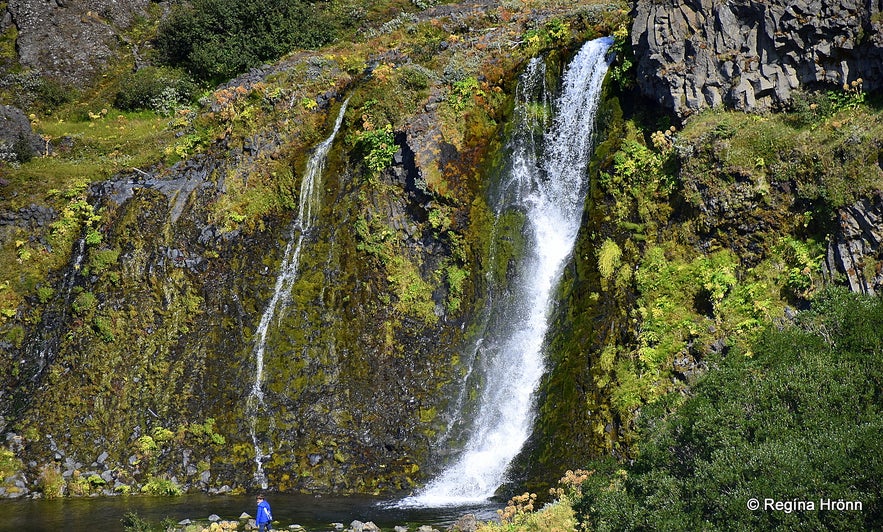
column 264, row 515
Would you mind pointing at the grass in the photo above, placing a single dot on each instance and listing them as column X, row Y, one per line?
column 833, row 158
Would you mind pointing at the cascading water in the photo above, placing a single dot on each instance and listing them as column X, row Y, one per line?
column 308, row 203
column 547, row 181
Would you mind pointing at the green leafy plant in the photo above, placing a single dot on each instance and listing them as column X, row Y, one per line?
column 378, row 148
column 622, row 71
column 84, row 303
column 609, row 259
column 464, row 91
column 850, row 98
column 51, row 482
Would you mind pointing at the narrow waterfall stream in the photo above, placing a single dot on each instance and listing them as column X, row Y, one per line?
column 546, row 181
column 308, row 203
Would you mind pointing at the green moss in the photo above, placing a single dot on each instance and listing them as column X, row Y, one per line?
column 84, row 303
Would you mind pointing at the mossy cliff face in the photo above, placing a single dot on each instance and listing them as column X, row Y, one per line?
column 693, row 240
column 139, row 362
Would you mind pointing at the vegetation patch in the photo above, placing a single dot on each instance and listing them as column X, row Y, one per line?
column 792, row 418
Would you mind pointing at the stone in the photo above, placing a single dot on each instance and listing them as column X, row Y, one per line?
column 214, row 517
column 466, row 523
column 358, row 526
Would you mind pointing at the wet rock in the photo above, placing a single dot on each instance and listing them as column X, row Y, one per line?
column 214, row 517
column 358, row 526
column 751, row 55
column 466, row 523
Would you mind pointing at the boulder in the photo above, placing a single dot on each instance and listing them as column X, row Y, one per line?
column 18, row 142
column 466, row 523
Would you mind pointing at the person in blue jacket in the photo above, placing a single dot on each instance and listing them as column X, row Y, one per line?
column 264, row 515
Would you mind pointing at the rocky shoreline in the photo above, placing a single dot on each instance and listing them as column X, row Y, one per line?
column 214, row 523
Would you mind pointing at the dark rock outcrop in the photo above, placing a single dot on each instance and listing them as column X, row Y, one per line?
column 854, row 250
column 70, row 40
column 17, row 139
column 751, row 55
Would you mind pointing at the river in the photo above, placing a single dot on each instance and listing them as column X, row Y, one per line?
column 311, row 512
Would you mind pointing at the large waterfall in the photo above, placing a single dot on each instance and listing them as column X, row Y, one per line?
column 308, row 203
column 546, row 181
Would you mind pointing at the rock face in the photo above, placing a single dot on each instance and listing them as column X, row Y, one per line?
column 751, row 55
column 854, row 250
column 70, row 39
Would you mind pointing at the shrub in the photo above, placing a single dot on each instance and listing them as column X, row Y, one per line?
column 217, row 39
column 159, row 89
column 161, row 486
column 378, row 148
column 50, row 482
column 23, row 149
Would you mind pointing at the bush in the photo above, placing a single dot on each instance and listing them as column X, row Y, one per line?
column 161, row 486
column 158, row 89
column 217, row 39
column 23, row 149
column 797, row 420
column 50, row 482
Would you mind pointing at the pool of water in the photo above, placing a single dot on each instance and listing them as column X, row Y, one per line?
column 313, row 513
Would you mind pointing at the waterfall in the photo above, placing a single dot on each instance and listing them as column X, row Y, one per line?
column 547, row 181
column 308, row 203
